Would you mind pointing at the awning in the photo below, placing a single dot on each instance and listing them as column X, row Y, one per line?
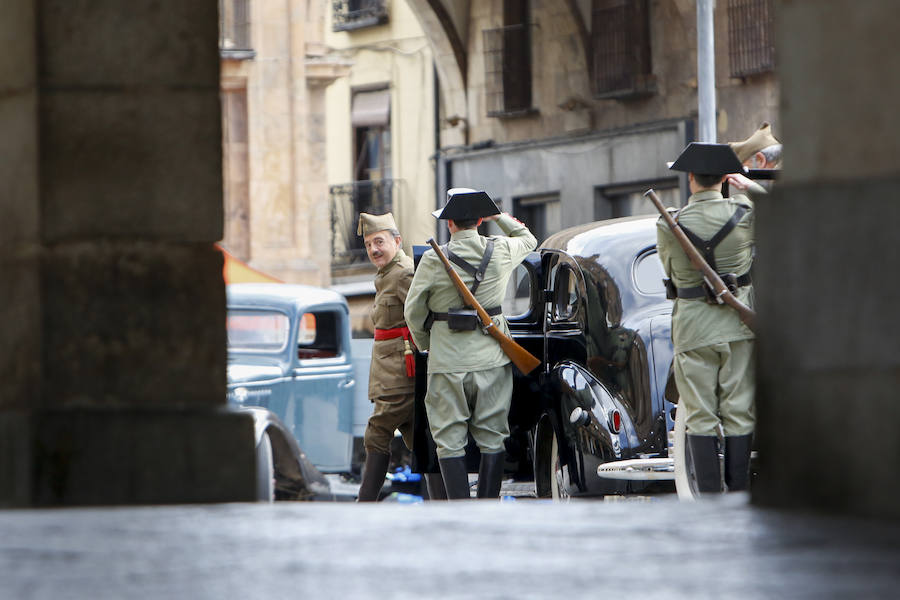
column 237, row 271
column 371, row 109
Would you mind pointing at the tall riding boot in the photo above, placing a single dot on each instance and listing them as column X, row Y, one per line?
column 456, row 477
column 737, row 461
column 434, row 483
column 705, row 459
column 373, row 476
column 490, row 474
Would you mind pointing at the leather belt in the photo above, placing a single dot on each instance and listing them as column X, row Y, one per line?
column 492, row 312
column 700, row 291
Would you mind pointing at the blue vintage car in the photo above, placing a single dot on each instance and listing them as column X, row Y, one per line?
column 593, row 419
column 290, row 361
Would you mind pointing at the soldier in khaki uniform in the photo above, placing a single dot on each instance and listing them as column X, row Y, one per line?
column 469, row 376
column 713, row 348
column 391, row 377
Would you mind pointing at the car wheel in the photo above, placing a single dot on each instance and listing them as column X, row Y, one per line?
column 265, row 470
column 559, row 474
column 685, row 482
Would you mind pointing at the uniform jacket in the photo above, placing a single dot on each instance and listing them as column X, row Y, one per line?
column 696, row 323
column 432, row 290
column 387, row 375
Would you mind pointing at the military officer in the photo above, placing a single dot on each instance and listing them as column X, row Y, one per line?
column 713, row 348
column 759, row 151
column 391, row 377
column 469, row 376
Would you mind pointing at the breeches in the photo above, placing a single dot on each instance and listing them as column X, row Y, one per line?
column 462, row 403
column 716, row 383
column 391, row 413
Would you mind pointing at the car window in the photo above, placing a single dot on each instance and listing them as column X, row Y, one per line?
column 257, row 330
column 317, row 335
column 565, row 293
column 517, row 301
column 648, row 273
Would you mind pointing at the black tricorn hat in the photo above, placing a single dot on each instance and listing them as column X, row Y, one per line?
column 465, row 204
column 707, row 159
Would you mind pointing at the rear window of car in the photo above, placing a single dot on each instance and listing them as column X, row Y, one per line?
column 648, row 274
column 257, row 330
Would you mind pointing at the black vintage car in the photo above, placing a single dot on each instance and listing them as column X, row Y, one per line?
column 591, row 304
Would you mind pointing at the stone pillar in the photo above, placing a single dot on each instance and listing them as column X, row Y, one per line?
column 829, row 348
column 112, row 343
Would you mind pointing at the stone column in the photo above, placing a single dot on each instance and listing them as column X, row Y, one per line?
column 112, row 343
column 829, row 347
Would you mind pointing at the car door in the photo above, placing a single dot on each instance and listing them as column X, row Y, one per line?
column 323, row 382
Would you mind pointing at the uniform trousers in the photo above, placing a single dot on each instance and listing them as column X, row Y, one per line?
column 476, row 402
column 391, row 413
column 715, row 384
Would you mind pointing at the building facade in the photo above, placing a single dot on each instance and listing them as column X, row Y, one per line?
column 381, row 132
column 565, row 111
column 274, row 72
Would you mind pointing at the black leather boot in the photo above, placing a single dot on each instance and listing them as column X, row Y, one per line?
column 373, row 476
column 456, row 478
column 737, row 461
column 434, row 483
column 490, row 474
column 705, row 459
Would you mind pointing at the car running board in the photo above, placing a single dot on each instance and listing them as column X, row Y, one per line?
column 639, row 469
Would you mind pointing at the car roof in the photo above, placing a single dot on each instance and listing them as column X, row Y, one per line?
column 629, row 234
column 280, row 295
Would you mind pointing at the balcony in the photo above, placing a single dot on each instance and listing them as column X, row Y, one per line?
column 356, row 14
column 347, row 201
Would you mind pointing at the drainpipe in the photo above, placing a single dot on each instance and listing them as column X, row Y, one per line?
column 706, row 71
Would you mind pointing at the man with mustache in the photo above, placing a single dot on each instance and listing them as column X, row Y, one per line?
column 391, row 374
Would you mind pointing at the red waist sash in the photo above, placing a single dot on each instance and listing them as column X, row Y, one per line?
column 389, row 334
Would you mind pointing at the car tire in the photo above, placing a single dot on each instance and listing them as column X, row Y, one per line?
column 265, row 470
column 560, row 482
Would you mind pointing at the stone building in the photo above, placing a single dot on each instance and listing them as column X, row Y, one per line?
column 381, row 132
column 274, row 73
column 567, row 110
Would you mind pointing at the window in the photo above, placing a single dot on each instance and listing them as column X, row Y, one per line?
column 507, row 62
column 370, row 117
column 317, row 336
column 614, row 201
column 517, row 301
column 541, row 214
column 565, row 293
column 257, row 330
column 234, row 28
column 648, row 274
column 751, row 41
column 620, row 41
column 356, row 14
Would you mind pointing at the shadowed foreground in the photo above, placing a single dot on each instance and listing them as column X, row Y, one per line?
column 527, row 549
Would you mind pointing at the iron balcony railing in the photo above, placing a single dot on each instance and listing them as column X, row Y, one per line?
column 355, row 14
column 347, row 201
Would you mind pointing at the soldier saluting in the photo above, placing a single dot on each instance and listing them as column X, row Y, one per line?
column 391, row 376
column 713, row 347
column 469, row 375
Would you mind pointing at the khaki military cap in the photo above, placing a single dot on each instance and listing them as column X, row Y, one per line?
column 761, row 138
column 374, row 223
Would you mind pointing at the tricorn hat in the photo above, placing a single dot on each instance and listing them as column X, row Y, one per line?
column 464, row 204
column 374, row 223
column 761, row 138
column 707, row 159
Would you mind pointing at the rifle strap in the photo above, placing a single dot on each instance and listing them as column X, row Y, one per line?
column 708, row 247
column 477, row 274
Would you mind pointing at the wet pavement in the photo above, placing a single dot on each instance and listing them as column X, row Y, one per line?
column 658, row 548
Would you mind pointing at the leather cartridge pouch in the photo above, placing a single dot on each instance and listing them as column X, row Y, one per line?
column 462, row 319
